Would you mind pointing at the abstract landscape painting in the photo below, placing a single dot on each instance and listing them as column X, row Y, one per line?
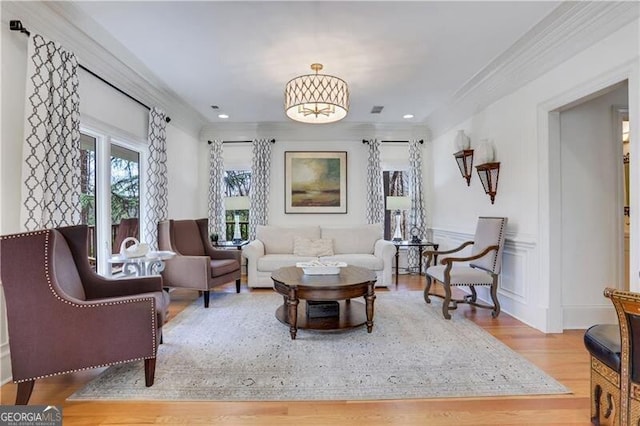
column 315, row 182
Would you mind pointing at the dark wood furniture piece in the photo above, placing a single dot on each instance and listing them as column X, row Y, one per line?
column 410, row 243
column 615, row 363
column 292, row 283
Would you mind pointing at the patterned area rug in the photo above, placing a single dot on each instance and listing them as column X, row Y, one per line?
column 238, row 351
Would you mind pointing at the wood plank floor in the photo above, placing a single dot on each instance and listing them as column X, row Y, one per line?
column 561, row 355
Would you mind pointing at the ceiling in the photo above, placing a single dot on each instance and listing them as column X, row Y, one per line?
column 410, row 57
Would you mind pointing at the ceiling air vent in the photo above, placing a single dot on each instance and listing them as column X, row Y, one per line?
column 377, row 109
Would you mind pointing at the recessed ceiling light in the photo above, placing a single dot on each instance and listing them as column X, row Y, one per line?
column 407, row 116
column 223, row 116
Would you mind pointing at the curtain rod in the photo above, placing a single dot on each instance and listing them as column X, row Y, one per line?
column 210, row 142
column 16, row 25
column 421, row 141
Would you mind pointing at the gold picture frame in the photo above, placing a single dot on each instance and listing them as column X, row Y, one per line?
column 315, row 182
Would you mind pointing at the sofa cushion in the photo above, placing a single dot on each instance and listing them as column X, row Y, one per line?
column 358, row 239
column 312, row 247
column 367, row 261
column 271, row 262
column 279, row 240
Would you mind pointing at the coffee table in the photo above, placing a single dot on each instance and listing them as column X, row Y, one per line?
column 293, row 284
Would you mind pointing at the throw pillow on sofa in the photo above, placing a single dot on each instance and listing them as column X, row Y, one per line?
column 312, row 247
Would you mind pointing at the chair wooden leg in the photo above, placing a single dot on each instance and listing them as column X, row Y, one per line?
column 494, row 297
column 149, row 371
column 446, row 301
column 238, row 285
column 24, row 392
column 595, row 405
column 427, row 288
column 473, row 297
column 206, row 298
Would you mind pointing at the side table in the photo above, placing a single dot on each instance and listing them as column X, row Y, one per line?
column 420, row 245
column 227, row 244
column 151, row 264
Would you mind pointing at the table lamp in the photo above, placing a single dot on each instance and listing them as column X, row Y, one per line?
column 398, row 204
column 236, row 204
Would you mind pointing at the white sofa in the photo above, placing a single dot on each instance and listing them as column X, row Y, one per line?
column 276, row 247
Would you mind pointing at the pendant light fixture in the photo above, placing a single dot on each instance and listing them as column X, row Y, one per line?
column 316, row 98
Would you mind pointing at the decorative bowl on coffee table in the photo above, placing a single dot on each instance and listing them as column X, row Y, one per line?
column 317, row 267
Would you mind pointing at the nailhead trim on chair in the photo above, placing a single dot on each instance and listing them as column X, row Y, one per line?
column 495, row 257
column 467, row 285
column 57, row 296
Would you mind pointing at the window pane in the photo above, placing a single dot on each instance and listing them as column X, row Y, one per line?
column 125, row 196
column 396, row 183
column 237, row 183
column 88, row 191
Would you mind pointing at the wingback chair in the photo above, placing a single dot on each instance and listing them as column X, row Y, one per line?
column 615, row 363
column 483, row 267
column 62, row 317
column 197, row 265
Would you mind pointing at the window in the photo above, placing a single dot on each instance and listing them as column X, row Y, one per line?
column 396, row 183
column 237, row 183
column 110, row 193
column 88, row 191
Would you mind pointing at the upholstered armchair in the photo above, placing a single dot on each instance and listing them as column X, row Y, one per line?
column 615, row 363
column 196, row 265
column 62, row 317
column 481, row 268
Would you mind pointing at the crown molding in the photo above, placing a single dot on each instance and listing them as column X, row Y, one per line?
column 102, row 54
column 566, row 31
column 293, row 131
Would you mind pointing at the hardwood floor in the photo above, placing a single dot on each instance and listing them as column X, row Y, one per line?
column 561, row 355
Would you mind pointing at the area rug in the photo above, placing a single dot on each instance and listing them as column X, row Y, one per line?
column 236, row 350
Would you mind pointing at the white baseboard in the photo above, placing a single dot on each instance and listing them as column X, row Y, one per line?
column 583, row 317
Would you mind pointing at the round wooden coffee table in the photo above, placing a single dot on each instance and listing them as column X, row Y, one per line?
column 293, row 284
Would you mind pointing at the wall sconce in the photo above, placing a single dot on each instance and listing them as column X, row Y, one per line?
column 488, row 174
column 398, row 204
column 235, row 204
column 464, row 159
column 464, row 155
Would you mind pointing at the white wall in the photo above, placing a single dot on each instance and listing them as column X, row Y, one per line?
column 295, row 137
column 184, row 175
column 518, row 124
column 591, row 182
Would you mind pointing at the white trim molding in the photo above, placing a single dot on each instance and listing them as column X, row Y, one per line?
column 566, row 31
column 103, row 54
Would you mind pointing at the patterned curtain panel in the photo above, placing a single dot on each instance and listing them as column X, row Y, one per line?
column 375, row 190
column 260, row 179
column 417, row 215
column 156, row 183
column 51, row 153
column 216, row 184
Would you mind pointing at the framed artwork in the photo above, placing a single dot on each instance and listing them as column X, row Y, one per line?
column 315, row 182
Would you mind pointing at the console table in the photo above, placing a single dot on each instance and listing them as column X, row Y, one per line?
column 420, row 245
column 227, row 244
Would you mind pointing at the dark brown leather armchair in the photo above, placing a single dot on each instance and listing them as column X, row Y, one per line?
column 63, row 317
column 197, row 265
